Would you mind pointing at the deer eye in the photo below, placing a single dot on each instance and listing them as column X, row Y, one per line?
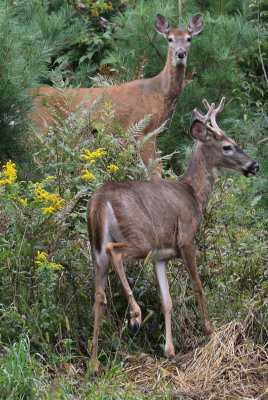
column 227, row 148
column 189, row 39
column 170, row 40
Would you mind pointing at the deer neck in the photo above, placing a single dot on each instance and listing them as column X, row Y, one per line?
column 172, row 81
column 200, row 176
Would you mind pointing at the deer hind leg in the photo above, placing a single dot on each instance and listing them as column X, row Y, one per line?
column 101, row 268
column 115, row 252
column 161, row 277
column 188, row 255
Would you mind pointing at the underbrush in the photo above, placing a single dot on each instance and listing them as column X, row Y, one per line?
column 46, row 271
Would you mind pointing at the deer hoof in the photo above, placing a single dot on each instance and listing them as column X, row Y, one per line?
column 169, row 352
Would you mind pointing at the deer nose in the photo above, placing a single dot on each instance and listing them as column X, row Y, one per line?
column 255, row 167
column 180, row 53
column 252, row 168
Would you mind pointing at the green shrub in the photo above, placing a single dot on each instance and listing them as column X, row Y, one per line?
column 48, row 253
column 20, row 372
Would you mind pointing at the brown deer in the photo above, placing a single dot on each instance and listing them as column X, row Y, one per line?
column 128, row 220
column 133, row 100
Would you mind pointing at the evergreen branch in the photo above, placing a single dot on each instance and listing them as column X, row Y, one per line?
column 150, row 40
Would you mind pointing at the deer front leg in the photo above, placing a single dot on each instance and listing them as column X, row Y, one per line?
column 188, row 255
column 115, row 251
column 161, row 277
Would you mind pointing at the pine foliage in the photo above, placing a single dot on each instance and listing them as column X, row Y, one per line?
column 21, row 61
column 224, row 58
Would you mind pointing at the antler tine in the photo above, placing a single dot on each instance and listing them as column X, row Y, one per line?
column 221, row 105
column 213, row 116
column 214, row 113
column 206, row 104
column 210, row 109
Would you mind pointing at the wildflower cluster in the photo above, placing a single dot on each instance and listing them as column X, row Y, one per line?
column 90, row 156
column 113, row 167
column 43, row 262
column 9, row 172
column 23, row 202
column 51, row 201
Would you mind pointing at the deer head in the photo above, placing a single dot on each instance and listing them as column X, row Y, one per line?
column 225, row 153
column 179, row 40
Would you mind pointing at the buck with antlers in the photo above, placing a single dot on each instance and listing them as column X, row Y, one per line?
column 127, row 220
column 133, row 100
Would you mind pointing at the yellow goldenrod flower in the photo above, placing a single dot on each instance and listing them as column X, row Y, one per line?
column 87, row 175
column 51, row 201
column 113, row 167
column 9, row 172
column 55, row 266
column 93, row 154
column 49, row 178
column 24, row 202
column 59, row 202
column 43, row 261
column 41, row 255
column 50, row 210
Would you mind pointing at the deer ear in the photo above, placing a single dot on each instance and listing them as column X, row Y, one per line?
column 198, row 131
column 161, row 25
column 196, row 24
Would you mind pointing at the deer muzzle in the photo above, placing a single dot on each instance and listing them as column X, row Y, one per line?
column 251, row 169
column 180, row 54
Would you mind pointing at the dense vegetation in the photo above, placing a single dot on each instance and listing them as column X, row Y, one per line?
column 45, row 264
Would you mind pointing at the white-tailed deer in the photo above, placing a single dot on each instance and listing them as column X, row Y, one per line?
column 127, row 220
column 133, row 100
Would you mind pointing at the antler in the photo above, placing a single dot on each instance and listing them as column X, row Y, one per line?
column 214, row 113
column 205, row 118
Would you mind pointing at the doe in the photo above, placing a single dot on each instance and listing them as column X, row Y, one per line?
column 127, row 220
column 132, row 100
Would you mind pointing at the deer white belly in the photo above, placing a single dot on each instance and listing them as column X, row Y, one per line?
column 163, row 254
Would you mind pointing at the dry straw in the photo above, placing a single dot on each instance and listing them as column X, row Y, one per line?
column 229, row 366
